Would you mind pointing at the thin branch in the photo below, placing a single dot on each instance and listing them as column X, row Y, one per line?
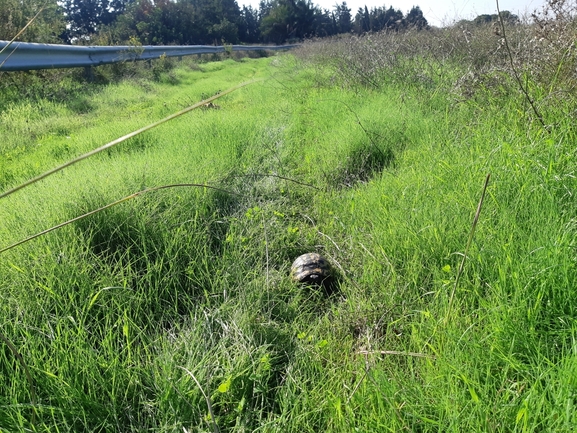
column 360, row 124
column 19, row 33
column 516, row 74
column 394, row 352
column 267, row 257
column 8, row 56
column 277, row 176
column 357, row 386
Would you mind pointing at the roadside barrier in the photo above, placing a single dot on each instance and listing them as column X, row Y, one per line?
column 25, row 56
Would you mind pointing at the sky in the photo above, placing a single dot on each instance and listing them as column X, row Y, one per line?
column 437, row 12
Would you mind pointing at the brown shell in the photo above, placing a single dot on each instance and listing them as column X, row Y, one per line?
column 311, row 268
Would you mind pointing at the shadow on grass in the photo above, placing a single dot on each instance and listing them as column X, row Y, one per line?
column 368, row 158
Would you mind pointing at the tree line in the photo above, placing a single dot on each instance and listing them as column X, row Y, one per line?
column 192, row 22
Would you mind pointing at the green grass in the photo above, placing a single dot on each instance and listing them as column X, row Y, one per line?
column 116, row 313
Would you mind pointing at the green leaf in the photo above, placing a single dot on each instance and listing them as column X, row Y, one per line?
column 225, row 386
column 521, row 414
column 474, row 395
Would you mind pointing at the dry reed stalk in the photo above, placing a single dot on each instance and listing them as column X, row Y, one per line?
column 394, row 352
column 128, row 197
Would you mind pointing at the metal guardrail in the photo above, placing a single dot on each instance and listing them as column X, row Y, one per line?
column 25, row 56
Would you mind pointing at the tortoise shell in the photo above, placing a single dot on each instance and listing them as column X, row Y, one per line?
column 311, row 268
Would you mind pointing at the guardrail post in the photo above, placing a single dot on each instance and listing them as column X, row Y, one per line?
column 89, row 73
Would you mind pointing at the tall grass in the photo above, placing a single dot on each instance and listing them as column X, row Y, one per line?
column 174, row 311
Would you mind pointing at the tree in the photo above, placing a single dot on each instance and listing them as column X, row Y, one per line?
column 248, row 27
column 362, row 21
column 416, row 19
column 47, row 27
column 264, row 8
column 290, row 19
column 324, row 25
column 305, row 19
column 275, row 22
column 366, row 20
column 378, row 19
column 483, row 19
column 343, row 18
column 85, row 17
column 184, row 22
column 224, row 32
column 507, row 16
column 212, row 21
column 393, row 19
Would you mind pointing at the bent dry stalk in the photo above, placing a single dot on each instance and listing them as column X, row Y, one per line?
column 18, row 34
column 128, row 197
column 523, row 88
column 134, row 195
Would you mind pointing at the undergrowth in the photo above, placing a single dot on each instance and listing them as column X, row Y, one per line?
column 174, row 311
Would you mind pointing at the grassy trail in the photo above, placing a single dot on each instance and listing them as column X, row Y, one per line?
column 132, row 319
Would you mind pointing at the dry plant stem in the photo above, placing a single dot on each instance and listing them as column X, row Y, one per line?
column 357, row 386
column 394, row 352
column 128, row 197
column 515, row 73
column 18, row 34
column 267, row 256
column 215, row 426
column 278, row 177
column 20, row 359
column 7, row 57
column 123, row 138
column 471, row 234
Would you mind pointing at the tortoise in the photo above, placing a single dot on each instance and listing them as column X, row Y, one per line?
column 311, row 268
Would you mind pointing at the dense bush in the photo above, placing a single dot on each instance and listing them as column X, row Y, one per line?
column 47, row 23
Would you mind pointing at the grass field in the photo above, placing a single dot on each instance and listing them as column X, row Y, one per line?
column 174, row 311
